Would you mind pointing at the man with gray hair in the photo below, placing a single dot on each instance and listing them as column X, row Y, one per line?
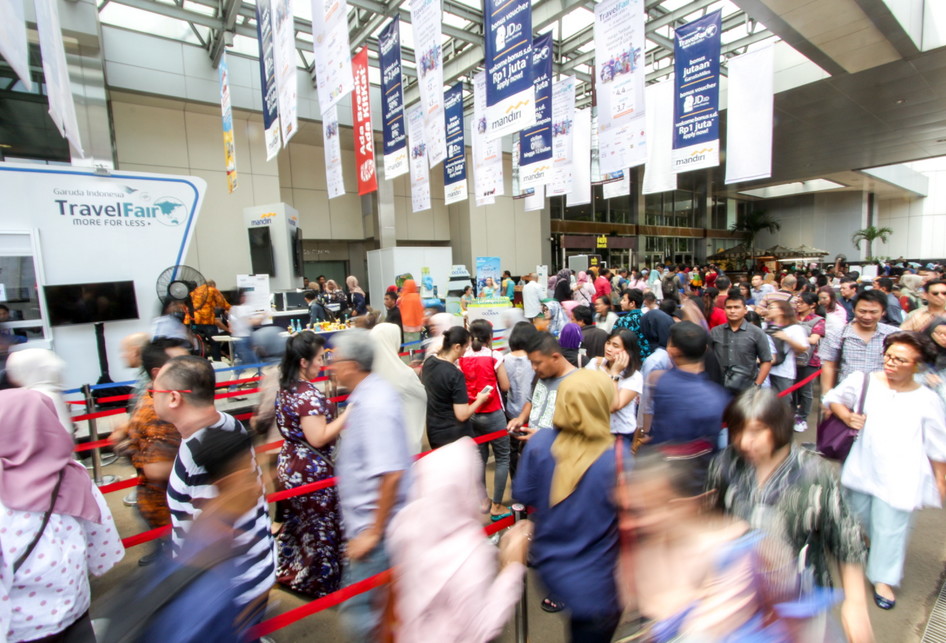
column 372, row 465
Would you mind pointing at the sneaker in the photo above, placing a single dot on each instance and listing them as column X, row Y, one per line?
column 800, row 425
column 131, row 499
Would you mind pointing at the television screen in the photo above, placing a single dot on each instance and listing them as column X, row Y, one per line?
column 261, row 252
column 295, row 300
column 89, row 303
column 297, row 252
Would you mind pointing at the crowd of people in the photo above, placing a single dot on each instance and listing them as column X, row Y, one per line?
column 647, row 417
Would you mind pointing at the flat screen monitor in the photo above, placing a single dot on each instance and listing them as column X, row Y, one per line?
column 261, row 252
column 89, row 303
column 295, row 300
column 297, row 266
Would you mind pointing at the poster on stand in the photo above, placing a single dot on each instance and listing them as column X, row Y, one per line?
column 510, row 95
column 284, row 57
column 392, row 101
column 13, row 45
column 425, row 19
column 749, row 123
column 696, row 94
column 62, row 106
column 267, row 77
column 420, row 171
column 256, row 288
column 226, row 111
column 581, row 165
column 488, row 267
column 454, row 167
column 535, row 142
column 563, row 120
column 330, row 44
column 658, row 173
column 361, row 125
column 487, row 154
column 333, row 153
column 619, row 64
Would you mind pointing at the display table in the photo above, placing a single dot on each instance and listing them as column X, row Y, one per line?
column 285, row 317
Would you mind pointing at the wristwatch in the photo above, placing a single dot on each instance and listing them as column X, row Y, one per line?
column 616, row 378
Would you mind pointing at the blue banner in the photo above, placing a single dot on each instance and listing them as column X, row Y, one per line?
column 510, row 98
column 696, row 94
column 392, row 101
column 267, row 74
column 535, row 143
column 454, row 166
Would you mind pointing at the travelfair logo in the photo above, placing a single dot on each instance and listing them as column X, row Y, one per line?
column 118, row 206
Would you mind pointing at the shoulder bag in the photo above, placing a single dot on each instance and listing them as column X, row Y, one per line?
column 736, row 377
column 835, row 438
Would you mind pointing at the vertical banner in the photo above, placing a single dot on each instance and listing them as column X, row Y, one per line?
column 226, row 111
column 62, row 106
column 454, row 167
column 487, row 154
column 581, row 163
column 619, row 64
column 284, row 56
column 696, row 94
column 392, row 101
column 333, row 77
column 510, row 95
column 267, row 77
column 536, row 200
column 535, row 142
column 425, row 18
column 563, row 118
column 361, row 122
column 658, row 173
column 13, row 40
column 420, row 172
column 749, row 118
column 333, row 153
column 618, row 188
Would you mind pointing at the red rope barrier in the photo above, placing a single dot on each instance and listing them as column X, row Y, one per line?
column 245, row 380
column 302, row 490
column 152, row 534
column 239, row 393
column 269, row 447
column 88, row 446
column 118, row 486
column 798, row 385
column 96, row 415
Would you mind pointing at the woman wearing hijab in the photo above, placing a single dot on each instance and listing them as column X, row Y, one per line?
column 570, row 341
column 356, row 297
column 449, row 584
column 387, row 364
column 57, row 528
column 41, row 370
column 568, row 474
column 584, row 293
column 563, row 286
column 412, row 311
column 556, row 316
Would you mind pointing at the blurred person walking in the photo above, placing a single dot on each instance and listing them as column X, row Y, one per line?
column 389, row 365
column 807, row 363
column 41, row 370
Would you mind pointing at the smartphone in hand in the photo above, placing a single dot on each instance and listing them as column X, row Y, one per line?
column 487, row 389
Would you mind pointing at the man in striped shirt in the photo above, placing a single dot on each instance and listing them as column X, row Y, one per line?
column 184, row 396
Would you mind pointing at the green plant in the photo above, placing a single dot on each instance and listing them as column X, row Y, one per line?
column 870, row 234
column 751, row 224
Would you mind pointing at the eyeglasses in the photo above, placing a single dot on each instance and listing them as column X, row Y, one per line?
column 177, row 390
column 938, row 293
column 897, row 361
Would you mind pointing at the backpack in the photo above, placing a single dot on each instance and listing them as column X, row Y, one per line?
column 804, row 358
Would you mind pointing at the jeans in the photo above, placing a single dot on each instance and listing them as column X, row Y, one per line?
column 207, row 331
column 593, row 630
column 780, row 384
column 484, row 423
column 888, row 530
column 802, row 397
column 362, row 614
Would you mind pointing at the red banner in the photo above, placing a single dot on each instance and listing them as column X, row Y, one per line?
column 361, row 116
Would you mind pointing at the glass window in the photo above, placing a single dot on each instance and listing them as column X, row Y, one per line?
column 21, row 316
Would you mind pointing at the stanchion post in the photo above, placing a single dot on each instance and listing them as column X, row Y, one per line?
column 522, row 609
column 94, row 436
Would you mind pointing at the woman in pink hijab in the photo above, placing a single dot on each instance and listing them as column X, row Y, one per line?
column 446, row 583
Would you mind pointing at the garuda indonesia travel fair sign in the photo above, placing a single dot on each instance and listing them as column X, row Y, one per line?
column 510, row 96
column 696, row 94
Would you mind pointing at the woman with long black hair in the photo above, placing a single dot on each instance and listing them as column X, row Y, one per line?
column 622, row 363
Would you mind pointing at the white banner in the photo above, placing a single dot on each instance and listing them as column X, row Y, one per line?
column 333, row 153
column 487, row 155
column 618, row 188
column 420, row 172
column 536, row 200
column 563, row 122
column 226, row 112
column 284, row 56
column 330, row 44
column 581, row 165
column 13, row 40
column 619, row 63
column 425, row 17
column 658, row 173
column 749, row 120
column 62, row 106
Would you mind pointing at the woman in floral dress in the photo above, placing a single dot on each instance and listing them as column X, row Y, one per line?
column 309, row 544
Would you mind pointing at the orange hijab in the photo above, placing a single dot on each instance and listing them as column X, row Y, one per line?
column 412, row 310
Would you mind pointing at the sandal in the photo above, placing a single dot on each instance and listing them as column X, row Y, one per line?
column 551, row 606
column 884, row 603
column 498, row 517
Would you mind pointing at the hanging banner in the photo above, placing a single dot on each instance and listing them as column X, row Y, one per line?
column 454, row 167
column 487, row 154
column 749, row 120
column 563, row 118
column 535, row 142
column 581, row 163
column 618, row 188
column 333, row 153
column 425, row 19
column 510, row 95
column 658, row 173
column 333, row 76
column 267, row 77
column 13, row 46
column 361, row 122
column 536, row 200
column 284, row 56
column 229, row 147
column 420, row 172
column 619, row 64
column 62, row 106
column 392, row 101
column 696, row 94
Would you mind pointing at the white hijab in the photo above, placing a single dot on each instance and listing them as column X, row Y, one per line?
column 41, row 370
column 387, row 364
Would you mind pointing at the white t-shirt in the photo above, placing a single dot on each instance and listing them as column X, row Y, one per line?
column 623, row 421
column 787, row 367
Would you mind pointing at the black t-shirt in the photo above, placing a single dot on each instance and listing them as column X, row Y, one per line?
column 445, row 386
